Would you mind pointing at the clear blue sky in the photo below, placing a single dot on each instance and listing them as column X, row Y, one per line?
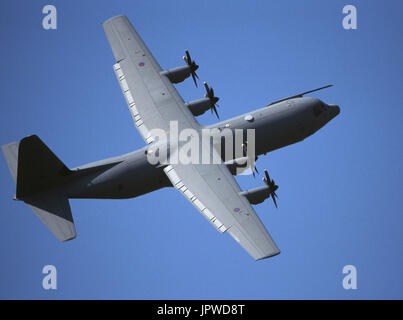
column 340, row 190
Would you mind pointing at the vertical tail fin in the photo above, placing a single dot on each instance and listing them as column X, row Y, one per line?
column 38, row 174
column 38, row 168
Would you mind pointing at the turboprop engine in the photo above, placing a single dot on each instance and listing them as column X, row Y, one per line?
column 179, row 74
column 198, row 107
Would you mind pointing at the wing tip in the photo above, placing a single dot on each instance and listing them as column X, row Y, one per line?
column 120, row 16
column 68, row 238
column 275, row 253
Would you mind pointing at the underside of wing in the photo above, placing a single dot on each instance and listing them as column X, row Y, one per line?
column 152, row 99
column 213, row 191
column 154, row 102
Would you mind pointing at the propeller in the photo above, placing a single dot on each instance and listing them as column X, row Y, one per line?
column 272, row 186
column 193, row 66
column 213, row 99
column 255, row 169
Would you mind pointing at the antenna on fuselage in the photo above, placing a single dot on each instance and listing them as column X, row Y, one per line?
column 300, row 95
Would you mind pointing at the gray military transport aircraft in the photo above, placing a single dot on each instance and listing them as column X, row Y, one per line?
column 45, row 184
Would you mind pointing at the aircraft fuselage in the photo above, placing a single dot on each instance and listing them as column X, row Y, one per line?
column 132, row 175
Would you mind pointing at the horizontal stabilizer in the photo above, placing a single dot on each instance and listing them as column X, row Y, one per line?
column 54, row 211
column 10, row 152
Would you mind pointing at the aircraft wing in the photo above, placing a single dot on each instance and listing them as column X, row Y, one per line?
column 213, row 191
column 153, row 100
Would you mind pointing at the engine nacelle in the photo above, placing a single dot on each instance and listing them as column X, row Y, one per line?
column 237, row 166
column 178, row 74
column 198, row 107
column 257, row 195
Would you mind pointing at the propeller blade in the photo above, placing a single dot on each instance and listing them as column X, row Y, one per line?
column 267, row 175
column 274, row 200
column 206, row 86
column 215, row 110
column 254, row 169
column 194, row 79
column 272, row 186
column 193, row 66
column 187, row 56
column 212, row 98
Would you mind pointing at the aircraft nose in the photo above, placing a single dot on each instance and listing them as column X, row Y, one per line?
column 334, row 110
